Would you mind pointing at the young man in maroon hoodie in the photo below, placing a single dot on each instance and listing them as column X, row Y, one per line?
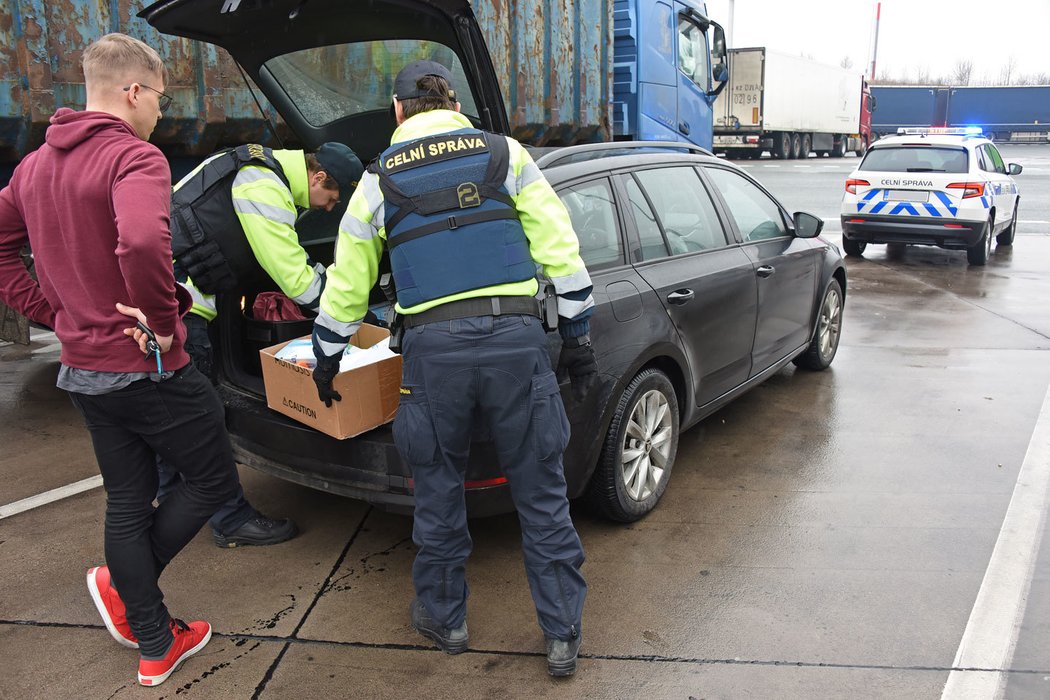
column 93, row 203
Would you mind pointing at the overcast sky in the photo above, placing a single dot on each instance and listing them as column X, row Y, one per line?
column 913, row 34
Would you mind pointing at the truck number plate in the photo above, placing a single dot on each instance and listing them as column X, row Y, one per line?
column 728, row 140
column 906, row 196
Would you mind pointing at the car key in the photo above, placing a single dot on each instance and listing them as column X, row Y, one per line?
column 152, row 346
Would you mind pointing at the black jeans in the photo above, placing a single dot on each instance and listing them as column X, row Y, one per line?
column 181, row 421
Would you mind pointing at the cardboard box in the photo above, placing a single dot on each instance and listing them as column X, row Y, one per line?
column 370, row 394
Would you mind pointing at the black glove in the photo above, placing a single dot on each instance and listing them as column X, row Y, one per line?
column 324, row 373
column 580, row 364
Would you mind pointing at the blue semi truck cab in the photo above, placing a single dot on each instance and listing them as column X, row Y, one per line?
column 669, row 65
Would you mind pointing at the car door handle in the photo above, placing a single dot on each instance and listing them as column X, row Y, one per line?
column 765, row 271
column 680, row 296
column 684, row 127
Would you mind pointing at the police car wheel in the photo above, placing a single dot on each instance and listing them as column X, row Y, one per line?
column 854, row 248
column 639, row 451
column 977, row 254
column 825, row 343
column 1007, row 236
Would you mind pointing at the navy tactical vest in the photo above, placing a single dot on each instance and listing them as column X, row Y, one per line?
column 207, row 240
column 450, row 222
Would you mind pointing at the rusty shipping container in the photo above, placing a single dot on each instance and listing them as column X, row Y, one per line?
column 553, row 59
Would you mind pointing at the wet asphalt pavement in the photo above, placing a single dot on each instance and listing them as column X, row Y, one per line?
column 827, row 535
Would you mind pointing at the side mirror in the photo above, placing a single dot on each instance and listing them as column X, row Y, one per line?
column 720, row 73
column 718, row 43
column 807, row 225
column 1015, row 169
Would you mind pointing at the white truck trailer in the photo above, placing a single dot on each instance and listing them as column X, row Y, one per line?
column 790, row 106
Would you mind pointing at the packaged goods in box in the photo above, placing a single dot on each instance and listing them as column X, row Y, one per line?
column 370, row 391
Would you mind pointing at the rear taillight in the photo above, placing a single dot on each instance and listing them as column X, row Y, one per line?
column 969, row 189
column 851, row 185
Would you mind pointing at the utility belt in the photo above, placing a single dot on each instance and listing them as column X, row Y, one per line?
column 545, row 309
column 481, row 306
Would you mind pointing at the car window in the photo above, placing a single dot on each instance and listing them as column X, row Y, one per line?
column 982, row 162
column 328, row 83
column 650, row 239
column 997, row 164
column 916, row 159
column 593, row 212
column 684, row 208
column 692, row 52
column 756, row 214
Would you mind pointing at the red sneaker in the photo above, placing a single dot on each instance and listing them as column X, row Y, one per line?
column 189, row 639
column 110, row 606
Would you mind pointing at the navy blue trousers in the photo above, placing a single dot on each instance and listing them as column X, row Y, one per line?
column 496, row 370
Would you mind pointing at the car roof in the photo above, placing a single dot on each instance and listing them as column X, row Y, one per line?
column 565, row 163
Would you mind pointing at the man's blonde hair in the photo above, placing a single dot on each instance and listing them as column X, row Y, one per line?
column 118, row 58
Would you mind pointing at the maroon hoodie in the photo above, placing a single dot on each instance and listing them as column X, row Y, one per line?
column 93, row 203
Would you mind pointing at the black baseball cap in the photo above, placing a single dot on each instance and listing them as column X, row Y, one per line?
column 341, row 164
column 406, row 84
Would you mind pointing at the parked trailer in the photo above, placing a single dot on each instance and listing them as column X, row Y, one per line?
column 790, row 106
column 1016, row 112
column 554, row 62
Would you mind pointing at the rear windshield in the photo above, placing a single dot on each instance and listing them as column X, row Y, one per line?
column 328, row 83
column 916, row 159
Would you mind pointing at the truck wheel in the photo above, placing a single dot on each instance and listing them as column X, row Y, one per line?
column 839, row 149
column 854, row 248
column 807, row 146
column 863, row 147
column 782, row 145
column 796, row 147
column 977, row 254
column 825, row 343
column 1007, row 236
column 639, row 451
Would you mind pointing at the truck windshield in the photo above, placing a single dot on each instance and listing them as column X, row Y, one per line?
column 328, row 83
column 916, row 159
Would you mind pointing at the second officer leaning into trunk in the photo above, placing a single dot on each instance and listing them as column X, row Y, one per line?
column 468, row 217
column 232, row 222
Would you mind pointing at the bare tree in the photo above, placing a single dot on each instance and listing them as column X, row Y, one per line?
column 962, row 72
column 1008, row 71
column 923, row 76
column 846, row 62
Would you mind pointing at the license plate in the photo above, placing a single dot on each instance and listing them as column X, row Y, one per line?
column 906, row 196
column 727, row 140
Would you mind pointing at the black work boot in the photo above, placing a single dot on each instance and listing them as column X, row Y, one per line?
column 451, row 641
column 561, row 655
column 258, row 531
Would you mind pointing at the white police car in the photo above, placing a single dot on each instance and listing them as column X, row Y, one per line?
column 942, row 187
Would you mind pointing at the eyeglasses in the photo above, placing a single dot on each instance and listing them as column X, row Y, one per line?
column 164, row 101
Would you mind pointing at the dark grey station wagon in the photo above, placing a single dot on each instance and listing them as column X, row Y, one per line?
column 705, row 285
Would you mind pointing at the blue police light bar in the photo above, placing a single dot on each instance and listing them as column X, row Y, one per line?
column 940, row 131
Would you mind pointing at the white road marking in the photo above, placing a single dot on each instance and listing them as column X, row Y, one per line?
column 770, row 165
column 1032, row 221
column 51, row 496
column 991, row 632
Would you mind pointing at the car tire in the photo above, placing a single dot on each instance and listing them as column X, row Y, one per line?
column 977, row 254
column 796, row 147
column 1007, row 236
column 782, row 145
column 806, row 147
column 828, row 328
column 854, row 248
column 863, row 148
column 839, row 149
column 649, row 398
